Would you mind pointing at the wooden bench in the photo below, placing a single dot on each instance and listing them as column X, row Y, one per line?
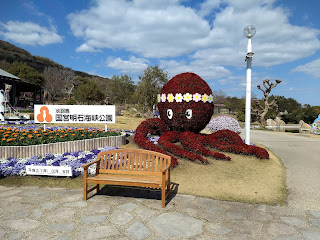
column 130, row 167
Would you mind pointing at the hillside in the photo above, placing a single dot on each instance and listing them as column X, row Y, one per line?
column 12, row 53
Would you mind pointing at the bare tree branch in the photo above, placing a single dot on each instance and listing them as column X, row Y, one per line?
column 58, row 81
column 261, row 110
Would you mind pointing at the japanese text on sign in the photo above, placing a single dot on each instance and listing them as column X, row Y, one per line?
column 74, row 113
column 49, row 170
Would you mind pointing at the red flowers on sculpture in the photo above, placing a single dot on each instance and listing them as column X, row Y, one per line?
column 186, row 107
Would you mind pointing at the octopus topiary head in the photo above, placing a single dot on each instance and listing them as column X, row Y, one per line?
column 186, row 103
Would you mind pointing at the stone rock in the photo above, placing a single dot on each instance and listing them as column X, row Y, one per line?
column 76, row 204
column 61, row 214
column 100, row 232
column 277, row 229
column 280, row 122
column 218, row 229
column 176, row 225
column 315, row 214
column 93, row 219
column 62, row 227
column 120, row 218
column 315, row 222
column 295, row 221
column 138, row 231
column 311, row 235
column 271, row 122
column 128, row 206
column 305, row 126
column 22, row 225
column 2, row 232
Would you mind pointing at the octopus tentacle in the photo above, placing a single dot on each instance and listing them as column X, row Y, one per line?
column 152, row 126
column 167, row 141
column 230, row 141
column 193, row 142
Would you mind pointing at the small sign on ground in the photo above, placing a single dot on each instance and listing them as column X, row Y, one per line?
column 49, row 170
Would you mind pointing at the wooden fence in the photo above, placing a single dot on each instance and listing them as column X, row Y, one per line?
column 61, row 147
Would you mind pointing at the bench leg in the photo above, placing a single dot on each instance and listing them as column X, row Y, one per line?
column 168, row 190
column 98, row 187
column 85, row 189
column 163, row 196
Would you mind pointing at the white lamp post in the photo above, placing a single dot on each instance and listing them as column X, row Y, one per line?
column 249, row 31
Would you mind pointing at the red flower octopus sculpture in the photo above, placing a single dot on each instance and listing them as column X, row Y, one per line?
column 186, row 107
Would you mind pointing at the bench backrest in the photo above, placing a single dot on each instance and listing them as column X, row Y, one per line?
column 133, row 161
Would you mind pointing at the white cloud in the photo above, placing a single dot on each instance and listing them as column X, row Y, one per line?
column 165, row 28
column 86, row 48
column 133, row 65
column 207, row 6
column 276, row 40
column 207, row 72
column 29, row 33
column 158, row 28
column 311, row 68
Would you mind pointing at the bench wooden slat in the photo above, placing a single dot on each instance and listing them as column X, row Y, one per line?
column 126, row 178
column 130, row 167
column 125, row 172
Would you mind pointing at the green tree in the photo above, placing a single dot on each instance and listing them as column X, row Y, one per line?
column 5, row 65
column 27, row 73
column 87, row 91
column 292, row 107
column 310, row 113
column 233, row 104
column 150, row 85
column 120, row 89
column 241, row 106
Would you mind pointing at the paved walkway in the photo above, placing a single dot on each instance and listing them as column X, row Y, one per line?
column 300, row 155
column 52, row 213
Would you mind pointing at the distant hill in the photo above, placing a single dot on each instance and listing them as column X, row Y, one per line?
column 12, row 53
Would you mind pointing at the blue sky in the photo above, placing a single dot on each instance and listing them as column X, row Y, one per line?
column 114, row 37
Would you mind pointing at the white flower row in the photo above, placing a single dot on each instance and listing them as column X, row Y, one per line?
column 187, row 97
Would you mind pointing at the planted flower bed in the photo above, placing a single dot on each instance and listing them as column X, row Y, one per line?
column 25, row 137
column 17, row 166
column 25, row 141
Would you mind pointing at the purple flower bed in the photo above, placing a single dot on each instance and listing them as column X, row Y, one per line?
column 17, row 167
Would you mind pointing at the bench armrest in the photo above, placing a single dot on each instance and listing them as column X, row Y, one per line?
column 164, row 169
column 85, row 166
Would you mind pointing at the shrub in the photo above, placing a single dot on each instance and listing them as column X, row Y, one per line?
column 224, row 122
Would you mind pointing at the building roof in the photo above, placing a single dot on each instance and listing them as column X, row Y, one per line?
column 6, row 74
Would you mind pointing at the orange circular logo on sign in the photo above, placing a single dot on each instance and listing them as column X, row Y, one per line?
column 44, row 115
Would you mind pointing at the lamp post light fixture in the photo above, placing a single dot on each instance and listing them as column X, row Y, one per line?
column 249, row 31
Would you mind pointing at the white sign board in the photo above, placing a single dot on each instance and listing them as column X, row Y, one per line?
column 49, row 170
column 74, row 113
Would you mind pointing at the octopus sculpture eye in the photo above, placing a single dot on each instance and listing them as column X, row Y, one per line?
column 189, row 113
column 170, row 113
